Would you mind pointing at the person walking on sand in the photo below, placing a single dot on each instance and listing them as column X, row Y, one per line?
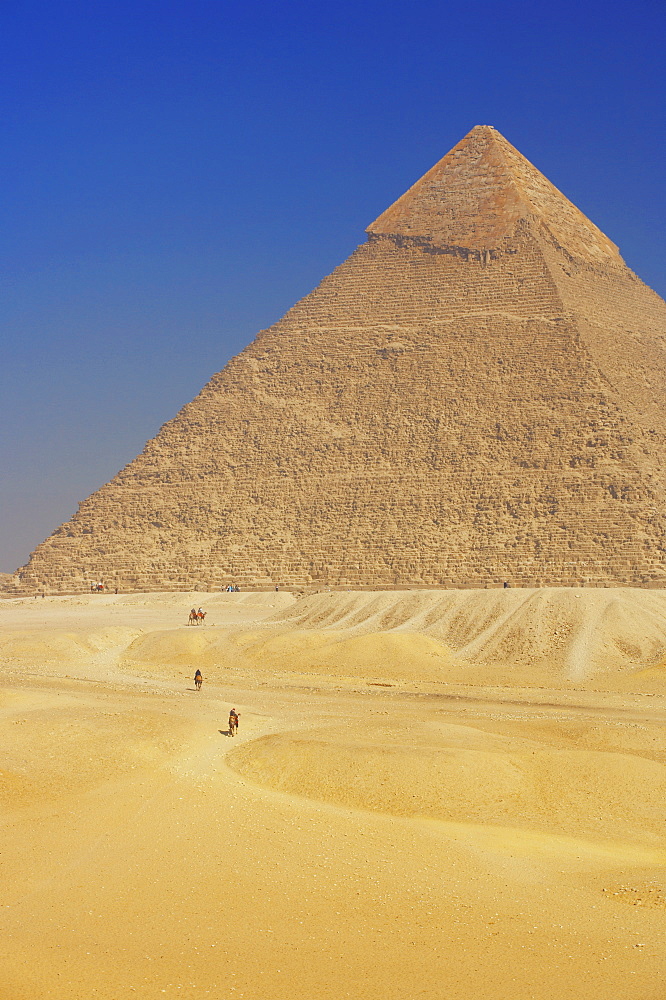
column 233, row 722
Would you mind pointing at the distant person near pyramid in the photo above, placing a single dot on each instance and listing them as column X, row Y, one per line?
column 475, row 396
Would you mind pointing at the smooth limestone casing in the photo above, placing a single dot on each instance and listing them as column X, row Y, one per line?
column 475, row 395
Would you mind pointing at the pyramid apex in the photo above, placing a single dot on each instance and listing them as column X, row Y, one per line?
column 476, row 196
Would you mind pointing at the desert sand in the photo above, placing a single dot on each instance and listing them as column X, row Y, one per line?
column 453, row 794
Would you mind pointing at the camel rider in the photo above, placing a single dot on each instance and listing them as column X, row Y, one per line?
column 197, row 676
column 233, row 720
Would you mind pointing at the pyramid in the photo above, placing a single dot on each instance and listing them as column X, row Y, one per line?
column 475, row 395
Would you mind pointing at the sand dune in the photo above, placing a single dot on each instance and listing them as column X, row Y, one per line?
column 95, row 630
column 570, row 633
column 463, row 774
column 614, row 638
column 447, row 790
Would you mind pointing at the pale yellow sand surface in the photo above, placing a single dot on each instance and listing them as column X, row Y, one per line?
column 441, row 795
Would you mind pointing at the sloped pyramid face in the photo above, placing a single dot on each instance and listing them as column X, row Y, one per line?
column 475, row 197
column 476, row 395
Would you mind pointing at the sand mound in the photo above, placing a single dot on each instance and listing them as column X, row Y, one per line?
column 463, row 774
column 32, row 648
column 557, row 633
column 186, row 647
column 408, row 656
column 545, row 637
column 557, row 637
column 97, row 631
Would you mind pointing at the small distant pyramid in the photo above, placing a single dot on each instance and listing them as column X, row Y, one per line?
column 476, row 395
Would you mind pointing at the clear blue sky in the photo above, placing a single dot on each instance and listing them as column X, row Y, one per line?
column 177, row 174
